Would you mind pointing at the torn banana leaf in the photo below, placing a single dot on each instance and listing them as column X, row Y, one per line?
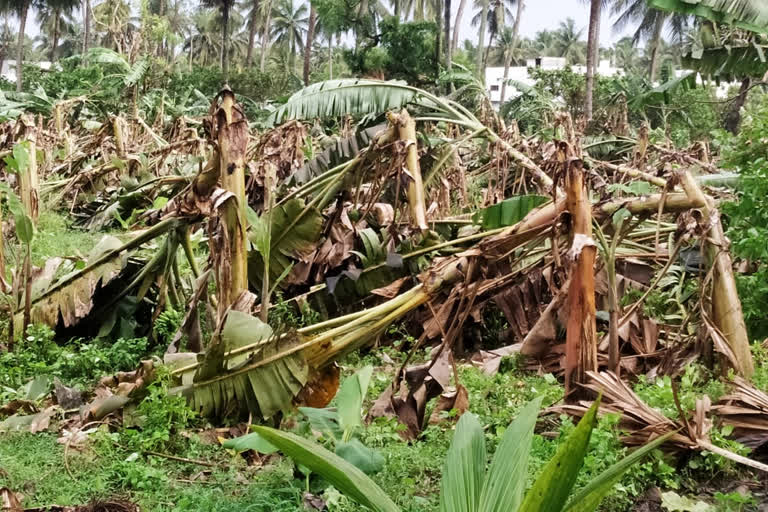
column 340, row 151
column 73, row 301
column 262, row 380
column 295, row 233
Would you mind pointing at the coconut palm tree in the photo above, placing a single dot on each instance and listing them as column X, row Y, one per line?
column 225, row 8
column 484, row 9
column 650, row 25
column 113, row 18
column 544, row 42
column 55, row 18
column 496, row 13
column 457, row 25
column 204, row 41
column 625, row 55
column 567, row 41
column 288, row 26
column 20, row 9
column 506, row 45
column 254, row 16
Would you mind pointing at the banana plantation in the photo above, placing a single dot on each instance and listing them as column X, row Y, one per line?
column 386, row 286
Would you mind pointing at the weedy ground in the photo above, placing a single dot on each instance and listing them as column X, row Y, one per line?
column 116, row 459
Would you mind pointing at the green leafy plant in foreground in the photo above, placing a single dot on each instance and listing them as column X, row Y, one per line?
column 339, row 425
column 467, row 486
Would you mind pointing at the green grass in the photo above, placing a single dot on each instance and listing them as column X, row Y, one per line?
column 56, row 237
column 114, row 463
column 34, row 466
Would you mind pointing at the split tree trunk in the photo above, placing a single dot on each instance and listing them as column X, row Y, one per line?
column 592, row 42
column 726, row 305
column 415, row 192
column 118, row 132
column 310, row 39
column 29, row 182
column 232, row 134
column 581, row 341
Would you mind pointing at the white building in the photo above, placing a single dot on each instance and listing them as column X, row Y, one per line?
column 9, row 68
column 495, row 76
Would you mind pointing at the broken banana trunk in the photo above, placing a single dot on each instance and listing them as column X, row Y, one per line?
column 256, row 370
column 726, row 305
column 581, row 339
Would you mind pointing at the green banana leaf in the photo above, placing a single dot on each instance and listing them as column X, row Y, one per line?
column 508, row 212
column 747, row 14
column 350, row 96
column 222, row 385
column 344, row 476
column 296, row 229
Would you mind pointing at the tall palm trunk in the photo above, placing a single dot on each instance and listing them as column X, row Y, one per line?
column 655, row 41
column 191, row 49
column 330, row 57
column 592, row 42
column 225, row 41
column 438, row 7
column 20, row 47
column 55, row 42
column 481, row 41
column 448, row 50
column 252, row 33
column 292, row 52
column 310, row 39
column 507, row 63
column 361, row 28
column 457, row 24
column 516, row 26
column 86, row 24
column 265, row 37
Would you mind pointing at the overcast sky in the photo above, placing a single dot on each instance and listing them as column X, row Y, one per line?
column 538, row 15
column 547, row 15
